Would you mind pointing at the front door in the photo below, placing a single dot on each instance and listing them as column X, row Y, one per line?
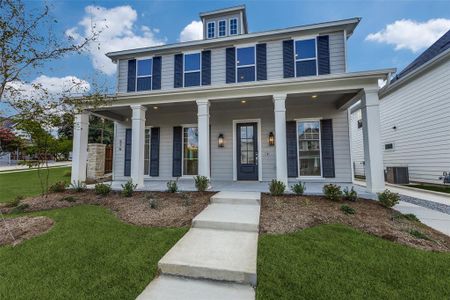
column 247, row 151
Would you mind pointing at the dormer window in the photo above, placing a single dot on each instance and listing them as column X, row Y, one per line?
column 305, row 57
column 222, row 28
column 144, row 74
column 211, row 30
column 233, row 26
column 245, row 64
column 192, row 69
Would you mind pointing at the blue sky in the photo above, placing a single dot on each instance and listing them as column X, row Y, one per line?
column 165, row 20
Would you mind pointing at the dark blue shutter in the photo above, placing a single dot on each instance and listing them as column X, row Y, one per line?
column 131, row 87
column 177, row 151
column 154, row 151
column 206, row 67
column 127, row 165
column 231, row 65
column 326, row 133
column 323, row 53
column 291, row 147
column 178, row 71
column 261, row 62
column 288, row 58
column 156, row 73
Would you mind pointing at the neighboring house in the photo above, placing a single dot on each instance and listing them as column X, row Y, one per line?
column 238, row 106
column 415, row 116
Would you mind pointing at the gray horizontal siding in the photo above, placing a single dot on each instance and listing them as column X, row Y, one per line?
column 337, row 52
column 420, row 110
column 119, row 151
column 218, row 66
column 122, row 76
column 357, row 143
column 167, row 71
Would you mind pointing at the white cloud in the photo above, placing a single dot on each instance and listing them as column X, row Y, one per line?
column 118, row 31
column 193, row 31
column 410, row 34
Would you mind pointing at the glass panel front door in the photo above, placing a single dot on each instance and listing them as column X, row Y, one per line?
column 190, row 151
column 309, row 148
column 247, row 151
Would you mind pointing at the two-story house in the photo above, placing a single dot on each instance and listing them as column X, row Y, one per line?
column 238, row 106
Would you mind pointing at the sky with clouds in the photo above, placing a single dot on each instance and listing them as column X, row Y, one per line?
column 391, row 33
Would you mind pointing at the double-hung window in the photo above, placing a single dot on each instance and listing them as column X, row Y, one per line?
column 233, row 26
column 192, row 69
column 211, row 30
column 308, row 133
column 144, row 74
column 190, row 151
column 222, row 28
column 305, row 57
column 245, row 64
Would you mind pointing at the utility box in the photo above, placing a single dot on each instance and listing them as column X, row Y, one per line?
column 397, row 175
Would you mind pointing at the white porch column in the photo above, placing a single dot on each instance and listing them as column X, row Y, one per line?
column 279, row 101
column 203, row 137
column 79, row 150
column 373, row 155
column 137, row 144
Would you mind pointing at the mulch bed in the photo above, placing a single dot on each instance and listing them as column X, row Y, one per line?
column 289, row 213
column 23, row 228
column 172, row 209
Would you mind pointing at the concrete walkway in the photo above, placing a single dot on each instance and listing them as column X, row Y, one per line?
column 20, row 168
column 216, row 259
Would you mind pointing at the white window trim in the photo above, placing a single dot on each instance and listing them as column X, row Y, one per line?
column 184, row 67
column 182, row 150
column 149, row 150
column 320, row 148
column 236, row 62
column 218, row 27
column 137, row 76
column 207, row 30
column 237, row 26
column 258, row 122
column 305, row 38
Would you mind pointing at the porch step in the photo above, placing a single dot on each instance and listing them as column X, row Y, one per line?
column 228, row 217
column 252, row 198
column 213, row 254
column 168, row 287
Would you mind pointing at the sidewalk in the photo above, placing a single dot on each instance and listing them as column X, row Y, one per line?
column 8, row 169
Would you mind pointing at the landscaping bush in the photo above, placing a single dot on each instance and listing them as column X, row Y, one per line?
column 418, row 234
column 332, row 192
column 128, row 188
column 152, row 200
column 411, row 217
column 58, row 187
column 388, row 198
column 298, row 188
column 172, row 186
column 347, row 210
column 19, row 208
column 69, row 198
column 276, row 187
column 201, row 183
column 102, row 189
column 187, row 200
column 351, row 195
column 78, row 186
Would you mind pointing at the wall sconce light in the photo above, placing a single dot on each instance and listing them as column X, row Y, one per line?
column 220, row 141
column 271, row 139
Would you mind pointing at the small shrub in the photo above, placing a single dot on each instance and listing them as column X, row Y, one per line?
column 388, row 198
column 351, row 195
column 187, row 199
column 276, row 187
column 332, row 192
column 201, row 183
column 411, row 217
column 68, row 174
column 19, row 208
column 15, row 202
column 102, row 189
column 128, row 188
column 58, row 187
column 172, row 186
column 418, row 234
column 78, row 186
column 152, row 200
column 298, row 188
column 69, row 198
column 347, row 210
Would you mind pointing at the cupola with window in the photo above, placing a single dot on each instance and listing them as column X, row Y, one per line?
column 224, row 22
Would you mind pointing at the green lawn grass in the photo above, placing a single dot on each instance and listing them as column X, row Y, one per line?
column 436, row 188
column 88, row 254
column 338, row 262
column 26, row 183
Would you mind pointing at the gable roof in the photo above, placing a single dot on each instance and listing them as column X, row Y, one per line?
column 440, row 46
